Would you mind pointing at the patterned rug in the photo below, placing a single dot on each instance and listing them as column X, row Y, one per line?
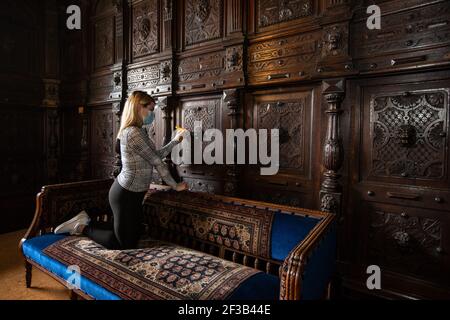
column 206, row 217
column 160, row 271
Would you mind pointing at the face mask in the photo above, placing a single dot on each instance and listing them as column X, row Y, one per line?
column 149, row 118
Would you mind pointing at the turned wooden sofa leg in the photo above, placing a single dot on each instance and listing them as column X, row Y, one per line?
column 73, row 295
column 28, row 273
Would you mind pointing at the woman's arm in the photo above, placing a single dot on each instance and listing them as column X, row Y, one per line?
column 137, row 141
column 164, row 151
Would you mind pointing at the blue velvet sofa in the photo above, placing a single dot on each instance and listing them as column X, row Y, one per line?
column 251, row 250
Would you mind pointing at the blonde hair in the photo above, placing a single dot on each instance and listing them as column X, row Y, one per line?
column 131, row 116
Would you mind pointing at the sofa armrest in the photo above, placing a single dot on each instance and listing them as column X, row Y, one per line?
column 294, row 266
column 60, row 202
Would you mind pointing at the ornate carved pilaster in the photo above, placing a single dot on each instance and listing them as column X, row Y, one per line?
column 231, row 100
column 333, row 153
column 168, row 21
column 165, row 104
column 52, row 122
column 117, row 166
column 118, row 97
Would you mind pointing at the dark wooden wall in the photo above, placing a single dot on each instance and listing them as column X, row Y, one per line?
column 363, row 114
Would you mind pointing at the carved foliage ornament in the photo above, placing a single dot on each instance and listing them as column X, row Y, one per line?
column 145, row 28
column 203, row 21
column 271, row 12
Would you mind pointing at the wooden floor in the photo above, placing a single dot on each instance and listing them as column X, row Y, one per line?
column 12, row 275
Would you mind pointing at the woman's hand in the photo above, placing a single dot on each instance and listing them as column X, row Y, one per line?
column 179, row 134
column 181, row 186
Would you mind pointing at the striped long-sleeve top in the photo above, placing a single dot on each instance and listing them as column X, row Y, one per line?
column 139, row 156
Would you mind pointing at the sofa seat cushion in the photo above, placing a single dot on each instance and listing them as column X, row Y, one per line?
column 33, row 250
column 159, row 271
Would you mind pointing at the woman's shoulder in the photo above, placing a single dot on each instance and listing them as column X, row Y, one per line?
column 130, row 132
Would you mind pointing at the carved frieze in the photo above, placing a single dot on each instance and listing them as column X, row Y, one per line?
column 272, row 12
column 150, row 77
column 200, row 67
column 284, row 58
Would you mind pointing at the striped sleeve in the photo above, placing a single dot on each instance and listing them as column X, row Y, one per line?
column 139, row 143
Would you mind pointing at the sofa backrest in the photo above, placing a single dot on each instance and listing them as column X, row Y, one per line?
column 253, row 233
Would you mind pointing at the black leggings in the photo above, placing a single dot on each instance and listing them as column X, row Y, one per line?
column 126, row 229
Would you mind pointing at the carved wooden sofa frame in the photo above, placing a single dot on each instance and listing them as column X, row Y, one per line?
column 57, row 203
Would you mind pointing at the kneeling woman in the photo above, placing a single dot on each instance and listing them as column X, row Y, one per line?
column 128, row 190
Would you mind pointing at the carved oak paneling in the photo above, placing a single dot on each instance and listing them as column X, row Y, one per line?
column 206, row 111
column 102, row 132
column 272, row 12
column 418, row 28
column 406, row 243
column 102, row 143
column 290, row 113
column 211, row 71
column 408, row 135
column 286, row 58
column 203, row 21
column 145, row 28
column 100, row 88
column 104, row 42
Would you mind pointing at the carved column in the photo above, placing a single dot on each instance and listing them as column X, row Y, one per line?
column 119, row 94
column 333, row 153
column 231, row 100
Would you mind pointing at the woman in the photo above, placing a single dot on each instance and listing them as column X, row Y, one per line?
column 128, row 190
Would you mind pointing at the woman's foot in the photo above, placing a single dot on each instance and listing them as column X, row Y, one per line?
column 75, row 225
